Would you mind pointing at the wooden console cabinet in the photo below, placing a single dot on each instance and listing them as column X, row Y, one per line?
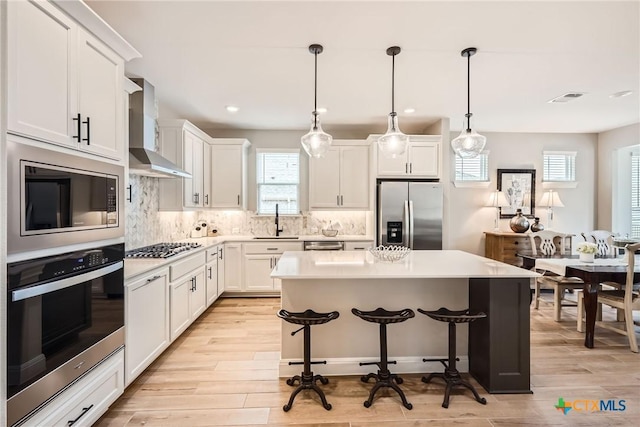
column 503, row 246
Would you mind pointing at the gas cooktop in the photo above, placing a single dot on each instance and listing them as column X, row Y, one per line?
column 161, row 250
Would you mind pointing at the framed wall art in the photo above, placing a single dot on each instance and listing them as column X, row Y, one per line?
column 519, row 187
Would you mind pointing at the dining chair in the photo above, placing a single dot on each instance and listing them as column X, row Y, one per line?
column 548, row 242
column 602, row 238
column 623, row 299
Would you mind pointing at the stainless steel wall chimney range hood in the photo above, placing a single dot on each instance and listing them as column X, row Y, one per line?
column 143, row 159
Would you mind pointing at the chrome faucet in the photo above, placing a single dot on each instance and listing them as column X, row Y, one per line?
column 278, row 229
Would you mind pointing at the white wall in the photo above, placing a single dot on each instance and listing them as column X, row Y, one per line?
column 608, row 145
column 468, row 215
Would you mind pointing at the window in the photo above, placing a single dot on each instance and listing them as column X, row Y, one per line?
column 635, row 196
column 278, row 178
column 475, row 169
column 559, row 166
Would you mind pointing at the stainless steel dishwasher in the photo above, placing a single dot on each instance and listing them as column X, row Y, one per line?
column 324, row 245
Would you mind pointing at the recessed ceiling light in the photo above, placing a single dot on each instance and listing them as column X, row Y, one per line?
column 409, row 110
column 621, row 94
column 232, row 108
column 322, row 110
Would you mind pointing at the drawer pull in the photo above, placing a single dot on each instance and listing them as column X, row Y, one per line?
column 153, row 279
column 84, row 411
column 272, row 249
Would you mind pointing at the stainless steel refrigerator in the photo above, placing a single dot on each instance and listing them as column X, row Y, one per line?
column 409, row 214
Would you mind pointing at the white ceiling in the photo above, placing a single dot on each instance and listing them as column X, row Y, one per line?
column 204, row 55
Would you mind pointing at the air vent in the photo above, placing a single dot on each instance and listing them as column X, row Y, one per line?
column 567, row 97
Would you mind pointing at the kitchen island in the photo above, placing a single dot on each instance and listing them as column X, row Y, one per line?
column 494, row 350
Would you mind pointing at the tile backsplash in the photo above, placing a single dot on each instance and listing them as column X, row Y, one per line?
column 145, row 225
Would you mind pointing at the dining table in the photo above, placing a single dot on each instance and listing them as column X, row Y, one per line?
column 602, row 269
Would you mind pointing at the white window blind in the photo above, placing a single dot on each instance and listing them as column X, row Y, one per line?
column 635, row 196
column 559, row 166
column 473, row 169
column 277, row 179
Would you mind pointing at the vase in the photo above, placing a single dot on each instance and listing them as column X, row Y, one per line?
column 519, row 223
column 536, row 226
column 587, row 257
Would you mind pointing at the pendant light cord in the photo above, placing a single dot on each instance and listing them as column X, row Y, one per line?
column 315, row 92
column 393, row 83
column 468, row 115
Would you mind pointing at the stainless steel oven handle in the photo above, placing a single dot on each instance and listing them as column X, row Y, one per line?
column 46, row 288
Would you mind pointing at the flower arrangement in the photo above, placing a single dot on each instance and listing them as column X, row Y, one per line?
column 587, row 248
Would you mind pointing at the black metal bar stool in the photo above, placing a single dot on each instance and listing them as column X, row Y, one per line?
column 306, row 379
column 384, row 378
column 451, row 375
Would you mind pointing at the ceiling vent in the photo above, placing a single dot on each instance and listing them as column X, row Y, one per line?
column 566, row 97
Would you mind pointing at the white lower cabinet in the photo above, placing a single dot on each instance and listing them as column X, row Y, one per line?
column 88, row 399
column 211, row 271
column 187, row 292
column 259, row 260
column 358, row 246
column 232, row 267
column 147, row 321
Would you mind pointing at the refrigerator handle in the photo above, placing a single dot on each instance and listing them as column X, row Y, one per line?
column 406, row 230
column 411, row 224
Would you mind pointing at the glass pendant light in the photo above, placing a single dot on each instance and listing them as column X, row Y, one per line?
column 393, row 143
column 469, row 143
column 316, row 142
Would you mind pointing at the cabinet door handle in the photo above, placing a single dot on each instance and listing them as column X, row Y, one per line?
column 410, row 167
column 406, row 168
column 153, row 279
column 84, row 411
column 196, row 198
column 129, row 189
column 270, row 262
column 193, row 284
column 220, row 253
column 338, row 200
column 206, row 199
column 88, row 138
column 78, row 119
column 209, row 272
column 238, row 200
column 341, row 200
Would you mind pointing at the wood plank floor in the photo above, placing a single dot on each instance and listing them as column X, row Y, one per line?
column 223, row 371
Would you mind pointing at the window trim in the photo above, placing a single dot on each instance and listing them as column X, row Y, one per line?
column 560, row 184
column 472, row 184
column 298, row 195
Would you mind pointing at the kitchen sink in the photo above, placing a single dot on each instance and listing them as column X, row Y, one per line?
column 276, row 237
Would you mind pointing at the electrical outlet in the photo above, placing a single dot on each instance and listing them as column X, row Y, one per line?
column 235, row 230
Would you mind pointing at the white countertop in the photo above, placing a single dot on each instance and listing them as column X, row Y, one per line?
column 417, row 265
column 136, row 266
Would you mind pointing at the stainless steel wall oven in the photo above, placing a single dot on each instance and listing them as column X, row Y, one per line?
column 65, row 313
column 59, row 199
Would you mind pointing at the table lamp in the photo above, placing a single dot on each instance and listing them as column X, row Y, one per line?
column 550, row 199
column 498, row 200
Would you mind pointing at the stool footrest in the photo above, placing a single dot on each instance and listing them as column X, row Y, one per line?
column 319, row 362
column 390, row 362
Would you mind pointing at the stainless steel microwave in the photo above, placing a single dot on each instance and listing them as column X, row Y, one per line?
column 58, row 199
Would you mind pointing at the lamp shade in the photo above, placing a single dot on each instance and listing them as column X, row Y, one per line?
column 393, row 143
column 498, row 200
column 468, row 144
column 551, row 199
column 316, row 142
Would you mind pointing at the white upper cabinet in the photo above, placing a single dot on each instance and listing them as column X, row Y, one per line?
column 341, row 179
column 184, row 144
column 41, row 64
column 101, row 100
column 64, row 85
column 228, row 173
column 422, row 159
